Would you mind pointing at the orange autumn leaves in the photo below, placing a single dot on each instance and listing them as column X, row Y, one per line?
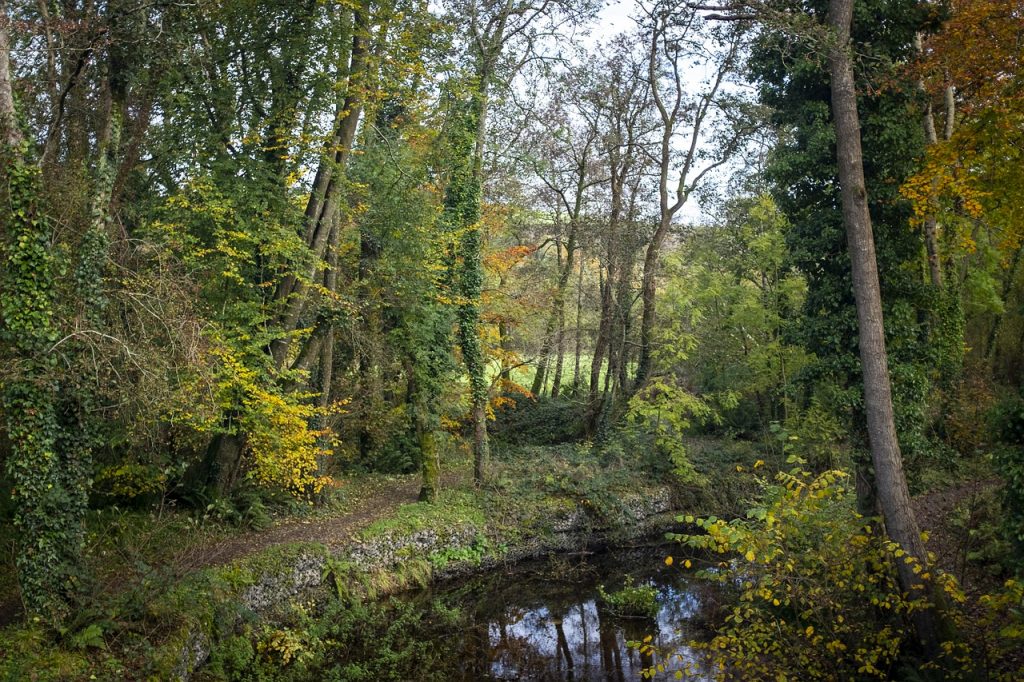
column 972, row 179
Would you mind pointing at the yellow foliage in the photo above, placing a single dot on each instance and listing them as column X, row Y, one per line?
column 819, row 599
column 282, row 450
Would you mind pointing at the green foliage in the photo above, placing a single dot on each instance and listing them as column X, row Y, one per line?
column 29, row 654
column 49, row 474
column 525, row 420
column 632, row 601
column 570, row 477
column 129, row 480
column 815, row 435
column 802, row 175
column 1008, row 424
column 817, row 595
column 668, row 411
column 812, row 577
column 470, row 554
column 732, row 296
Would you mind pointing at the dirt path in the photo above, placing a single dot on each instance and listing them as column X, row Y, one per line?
column 368, row 503
column 366, row 500
column 948, row 514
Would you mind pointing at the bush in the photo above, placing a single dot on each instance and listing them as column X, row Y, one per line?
column 1008, row 426
column 818, row 595
column 632, row 601
column 524, row 420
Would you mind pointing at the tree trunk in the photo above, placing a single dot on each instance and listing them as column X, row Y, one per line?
column 613, row 260
column 600, row 345
column 648, row 295
column 12, row 138
column 579, row 336
column 891, row 484
column 556, row 382
column 931, row 228
column 426, row 439
column 462, row 204
column 554, row 331
column 325, row 196
column 223, row 461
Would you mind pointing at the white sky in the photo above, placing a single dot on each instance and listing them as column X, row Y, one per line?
column 614, row 18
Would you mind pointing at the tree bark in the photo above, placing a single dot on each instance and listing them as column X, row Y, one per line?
column 556, row 382
column 579, row 335
column 893, row 496
column 600, row 347
column 931, row 226
column 326, row 195
column 8, row 118
column 554, row 329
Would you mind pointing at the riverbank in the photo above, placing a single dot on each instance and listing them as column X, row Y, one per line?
column 163, row 625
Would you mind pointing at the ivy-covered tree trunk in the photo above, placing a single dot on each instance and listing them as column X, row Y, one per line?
column 890, row 481
column 462, row 206
column 425, row 431
column 428, row 365
column 48, row 524
column 471, row 279
column 48, row 515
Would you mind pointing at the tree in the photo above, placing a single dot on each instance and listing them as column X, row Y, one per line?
column 676, row 33
column 620, row 110
column 963, row 193
column 562, row 159
column 50, row 480
column 730, row 296
column 801, row 82
column 492, row 26
column 890, row 481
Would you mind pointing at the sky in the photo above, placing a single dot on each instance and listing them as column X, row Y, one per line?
column 614, row 18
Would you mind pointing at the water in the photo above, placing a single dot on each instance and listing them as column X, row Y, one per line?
column 545, row 620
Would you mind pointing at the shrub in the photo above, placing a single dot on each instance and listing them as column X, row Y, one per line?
column 632, row 601
column 818, row 596
column 1008, row 426
column 542, row 421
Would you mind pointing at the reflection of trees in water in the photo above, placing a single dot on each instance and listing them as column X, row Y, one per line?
column 635, row 629
column 563, row 648
column 611, row 653
column 528, row 625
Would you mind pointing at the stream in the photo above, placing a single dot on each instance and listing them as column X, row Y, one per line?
column 545, row 620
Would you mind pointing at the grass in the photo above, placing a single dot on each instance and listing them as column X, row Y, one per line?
column 525, row 374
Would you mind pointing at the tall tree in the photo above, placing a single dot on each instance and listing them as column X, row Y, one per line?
column 676, row 33
column 563, row 160
column 620, row 105
column 890, row 480
column 50, row 482
column 492, row 26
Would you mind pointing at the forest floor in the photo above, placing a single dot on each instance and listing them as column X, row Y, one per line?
column 127, row 547
column 144, row 553
column 954, row 517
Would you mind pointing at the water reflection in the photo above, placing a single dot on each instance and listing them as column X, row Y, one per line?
column 547, row 622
